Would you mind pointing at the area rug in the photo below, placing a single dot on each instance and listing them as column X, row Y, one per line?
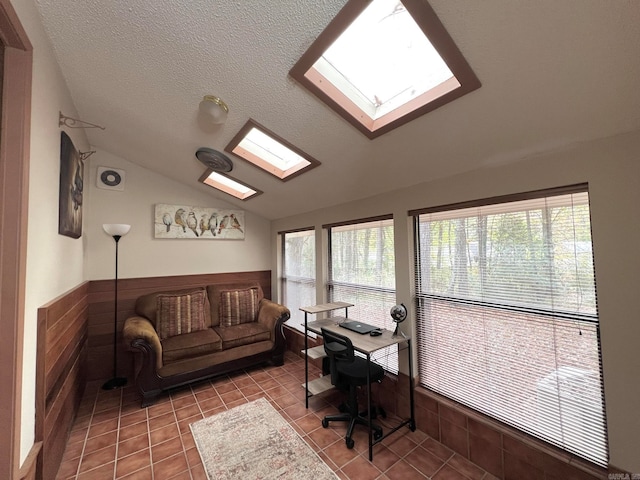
column 253, row 442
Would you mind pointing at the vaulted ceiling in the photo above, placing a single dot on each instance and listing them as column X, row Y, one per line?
column 553, row 73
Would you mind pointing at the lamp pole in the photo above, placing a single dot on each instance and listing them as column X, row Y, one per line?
column 116, row 231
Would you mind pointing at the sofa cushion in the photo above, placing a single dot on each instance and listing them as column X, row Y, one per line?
column 242, row 334
column 238, row 306
column 214, row 291
column 190, row 345
column 147, row 305
column 180, row 314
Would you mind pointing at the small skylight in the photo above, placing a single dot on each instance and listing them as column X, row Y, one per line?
column 228, row 185
column 268, row 151
column 382, row 63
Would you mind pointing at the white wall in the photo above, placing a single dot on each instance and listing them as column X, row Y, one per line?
column 140, row 254
column 54, row 262
column 612, row 169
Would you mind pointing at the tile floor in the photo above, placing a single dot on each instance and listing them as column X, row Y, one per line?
column 113, row 438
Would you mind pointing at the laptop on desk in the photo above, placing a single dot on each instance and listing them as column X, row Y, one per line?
column 358, row 327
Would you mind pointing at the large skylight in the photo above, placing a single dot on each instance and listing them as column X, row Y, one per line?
column 382, row 65
column 268, row 151
column 229, row 185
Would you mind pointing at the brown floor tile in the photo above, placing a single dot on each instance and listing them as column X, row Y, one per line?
column 170, row 467
column 156, row 442
column 133, row 463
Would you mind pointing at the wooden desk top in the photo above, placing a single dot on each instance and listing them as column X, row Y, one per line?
column 363, row 343
column 326, row 307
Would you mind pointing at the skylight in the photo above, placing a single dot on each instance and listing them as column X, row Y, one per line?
column 382, row 65
column 228, row 185
column 268, row 151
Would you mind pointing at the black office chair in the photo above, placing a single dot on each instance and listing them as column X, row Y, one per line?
column 348, row 372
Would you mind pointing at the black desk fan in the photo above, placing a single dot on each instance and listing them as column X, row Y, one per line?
column 398, row 315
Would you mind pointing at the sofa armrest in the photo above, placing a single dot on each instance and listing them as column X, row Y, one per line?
column 270, row 312
column 139, row 329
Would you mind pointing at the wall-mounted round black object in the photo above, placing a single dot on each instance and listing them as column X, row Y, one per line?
column 214, row 159
column 111, row 178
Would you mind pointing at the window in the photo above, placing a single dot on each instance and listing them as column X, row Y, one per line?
column 362, row 272
column 298, row 274
column 382, row 63
column 228, row 185
column 273, row 154
column 507, row 319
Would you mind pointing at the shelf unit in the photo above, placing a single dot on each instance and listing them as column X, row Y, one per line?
column 321, row 384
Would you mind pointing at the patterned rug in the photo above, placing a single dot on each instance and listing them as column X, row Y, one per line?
column 252, row 442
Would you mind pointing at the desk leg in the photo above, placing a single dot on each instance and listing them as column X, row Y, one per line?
column 306, row 363
column 412, row 421
column 369, row 407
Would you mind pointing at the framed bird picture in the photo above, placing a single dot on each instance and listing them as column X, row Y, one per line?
column 180, row 221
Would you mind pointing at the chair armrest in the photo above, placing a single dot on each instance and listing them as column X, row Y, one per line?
column 139, row 329
column 270, row 312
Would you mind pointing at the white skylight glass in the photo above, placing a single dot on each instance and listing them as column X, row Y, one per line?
column 382, row 63
column 383, row 59
column 269, row 149
column 229, row 186
column 266, row 150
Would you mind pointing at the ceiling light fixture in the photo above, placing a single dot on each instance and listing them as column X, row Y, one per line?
column 214, row 109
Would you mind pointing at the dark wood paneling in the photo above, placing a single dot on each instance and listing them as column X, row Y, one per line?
column 60, row 373
column 101, row 312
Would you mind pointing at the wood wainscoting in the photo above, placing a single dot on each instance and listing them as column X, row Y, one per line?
column 60, row 374
column 101, row 312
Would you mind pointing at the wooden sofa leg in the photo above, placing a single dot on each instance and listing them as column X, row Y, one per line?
column 278, row 360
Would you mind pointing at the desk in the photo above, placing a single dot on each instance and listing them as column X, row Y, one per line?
column 366, row 344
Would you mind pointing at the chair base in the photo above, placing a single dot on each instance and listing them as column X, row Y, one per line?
column 353, row 420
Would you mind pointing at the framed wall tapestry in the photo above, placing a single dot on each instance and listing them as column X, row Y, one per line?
column 71, row 185
column 179, row 221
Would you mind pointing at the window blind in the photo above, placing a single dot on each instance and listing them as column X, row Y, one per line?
column 298, row 278
column 507, row 318
column 362, row 272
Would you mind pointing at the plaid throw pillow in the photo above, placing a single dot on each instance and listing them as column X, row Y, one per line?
column 178, row 314
column 238, row 306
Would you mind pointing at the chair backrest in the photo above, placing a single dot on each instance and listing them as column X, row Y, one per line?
column 339, row 349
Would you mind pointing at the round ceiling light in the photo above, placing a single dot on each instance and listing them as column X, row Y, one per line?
column 214, row 159
column 214, row 109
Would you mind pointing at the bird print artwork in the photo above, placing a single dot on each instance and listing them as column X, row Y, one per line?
column 181, row 219
column 192, row 223
column 235, row 223
column 224, row 223
column 213, row 223
column 196, row 223
column 167, row 220
column 204, row 224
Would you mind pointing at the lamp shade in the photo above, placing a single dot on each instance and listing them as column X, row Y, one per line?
column 114, row 229
column 214, row 108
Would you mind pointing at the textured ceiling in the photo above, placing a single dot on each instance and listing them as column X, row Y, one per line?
column 553, row 73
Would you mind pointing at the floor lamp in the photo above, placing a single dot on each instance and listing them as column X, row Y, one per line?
column 116, row 230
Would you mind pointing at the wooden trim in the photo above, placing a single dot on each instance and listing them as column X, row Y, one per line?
column 28, row 469
column 296, row 230
column 378, row 218
column 14, row 190
column 60, row 373
column 515, row 197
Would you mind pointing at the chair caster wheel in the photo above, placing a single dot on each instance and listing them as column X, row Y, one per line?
column 325, row 423
column 377, row 435
column 350, row 443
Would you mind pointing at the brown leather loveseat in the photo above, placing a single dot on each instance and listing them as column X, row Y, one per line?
column 182, row 336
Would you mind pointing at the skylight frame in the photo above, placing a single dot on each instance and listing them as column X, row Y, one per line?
column 229, row 190
column 425, row 17
column 284, row 175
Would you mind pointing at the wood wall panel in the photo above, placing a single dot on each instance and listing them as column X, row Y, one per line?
column 60, row 373
column 101, row 312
